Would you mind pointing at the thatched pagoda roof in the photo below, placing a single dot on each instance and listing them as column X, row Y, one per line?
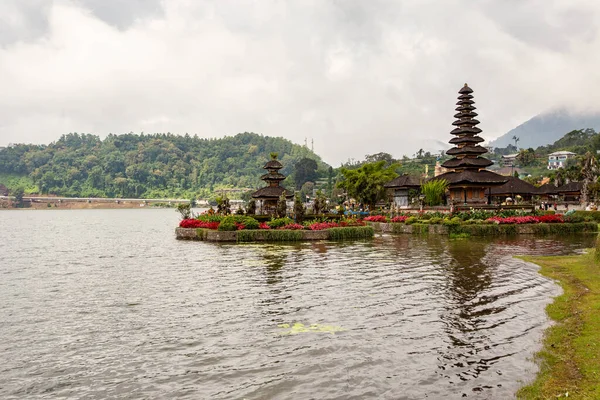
column 403, row 181
column 273, row 164
column 547, row 188
column 466, row 139
column 272, row 193
column 478, row 162
column 570, row 187
column 272, row 176
column 514, row 186
column 466, row 129
column 483, row 177
column 467, row 149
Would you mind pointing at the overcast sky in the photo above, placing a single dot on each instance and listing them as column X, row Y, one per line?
column 357, row 76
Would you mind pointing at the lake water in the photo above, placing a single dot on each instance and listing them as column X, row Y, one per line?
column 99, row 304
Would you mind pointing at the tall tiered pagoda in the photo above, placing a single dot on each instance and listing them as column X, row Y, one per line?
column 267, row 197
column 468, row 178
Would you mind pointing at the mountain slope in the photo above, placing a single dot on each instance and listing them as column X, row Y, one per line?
column 547, row 128
column 160, row 165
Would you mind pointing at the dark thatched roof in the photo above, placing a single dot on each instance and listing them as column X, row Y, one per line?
column 273, row 164
column 403, row 181
column 465, row 122
column 466, row 139
column 483, row 178
column 273, row 177
column 465, row 97
column 466, row 130
column 479, row 162
column 466, row 113
column 467, row 150
column 570, row 187
column 547, row 188
column 514, row 186
column 465, row 90
column 272, row 193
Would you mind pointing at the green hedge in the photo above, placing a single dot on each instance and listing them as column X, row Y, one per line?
column 351, row 232
column 588, row 215
column 419, row 229
column 270, row 235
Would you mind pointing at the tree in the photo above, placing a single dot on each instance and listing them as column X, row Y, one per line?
column 526, row 157
column 305, row 170
column 251, row 207
column 299, row 209
column 589, row 171
column 307, row 190
column 516, row 139
column 320, row 203
column 366, row 183
column 281, row 206
column 18, row 193
column 223, row 206
column 371, row 158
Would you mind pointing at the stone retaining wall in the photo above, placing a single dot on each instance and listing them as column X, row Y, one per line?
column 484, row 229
column 232, row 236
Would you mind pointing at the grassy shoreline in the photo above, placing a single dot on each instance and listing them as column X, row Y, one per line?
column 570, row 358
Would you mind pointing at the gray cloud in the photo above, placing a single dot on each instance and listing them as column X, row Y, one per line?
column 358, row 77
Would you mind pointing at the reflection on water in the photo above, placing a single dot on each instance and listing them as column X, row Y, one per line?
column 97, row 304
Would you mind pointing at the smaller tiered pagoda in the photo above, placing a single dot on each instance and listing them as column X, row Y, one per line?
column 267, row 197
column 468, row 178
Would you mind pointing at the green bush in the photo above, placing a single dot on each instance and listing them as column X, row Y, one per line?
column 592, row 215
column 435, row 220
column 248, row 222
column 419, row 229
column 211, row 218
column 410, row 220
column 351, row 232
column 227, row 226
column 279, row 222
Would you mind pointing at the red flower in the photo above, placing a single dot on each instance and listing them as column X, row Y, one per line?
column 263, row 225
column 376, row 218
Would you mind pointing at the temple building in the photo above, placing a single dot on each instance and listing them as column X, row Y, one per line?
column 469, row 180
column 399, row 190
column 267, row 197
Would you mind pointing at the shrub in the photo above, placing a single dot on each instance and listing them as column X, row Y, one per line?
column 434, row 191
column 410, row 220
column 194, row 223
column 355, row 232
column 319, row 226
column 279, row 222
column 239, row 221
column 400, row 218
column 435, row 220
column 294, row 227
column 376, row 218
column 210, row 217
column 227, row 226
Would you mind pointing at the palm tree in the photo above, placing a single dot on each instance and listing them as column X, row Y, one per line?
column 516, row 139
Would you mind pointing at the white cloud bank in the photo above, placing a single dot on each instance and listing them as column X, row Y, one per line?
column 358, row 77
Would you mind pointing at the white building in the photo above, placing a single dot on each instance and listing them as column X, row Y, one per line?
column 558, row 159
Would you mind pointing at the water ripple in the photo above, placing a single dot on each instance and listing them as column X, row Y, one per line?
column 101, row 304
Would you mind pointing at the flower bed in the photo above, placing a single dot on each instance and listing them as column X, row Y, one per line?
column 242, row 228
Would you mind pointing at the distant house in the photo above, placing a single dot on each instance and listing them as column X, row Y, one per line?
column 558, row 159
column 509, row 160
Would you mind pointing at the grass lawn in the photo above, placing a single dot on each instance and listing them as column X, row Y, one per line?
column 570, row 358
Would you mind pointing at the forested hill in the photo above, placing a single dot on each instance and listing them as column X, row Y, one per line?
column 158, row 165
